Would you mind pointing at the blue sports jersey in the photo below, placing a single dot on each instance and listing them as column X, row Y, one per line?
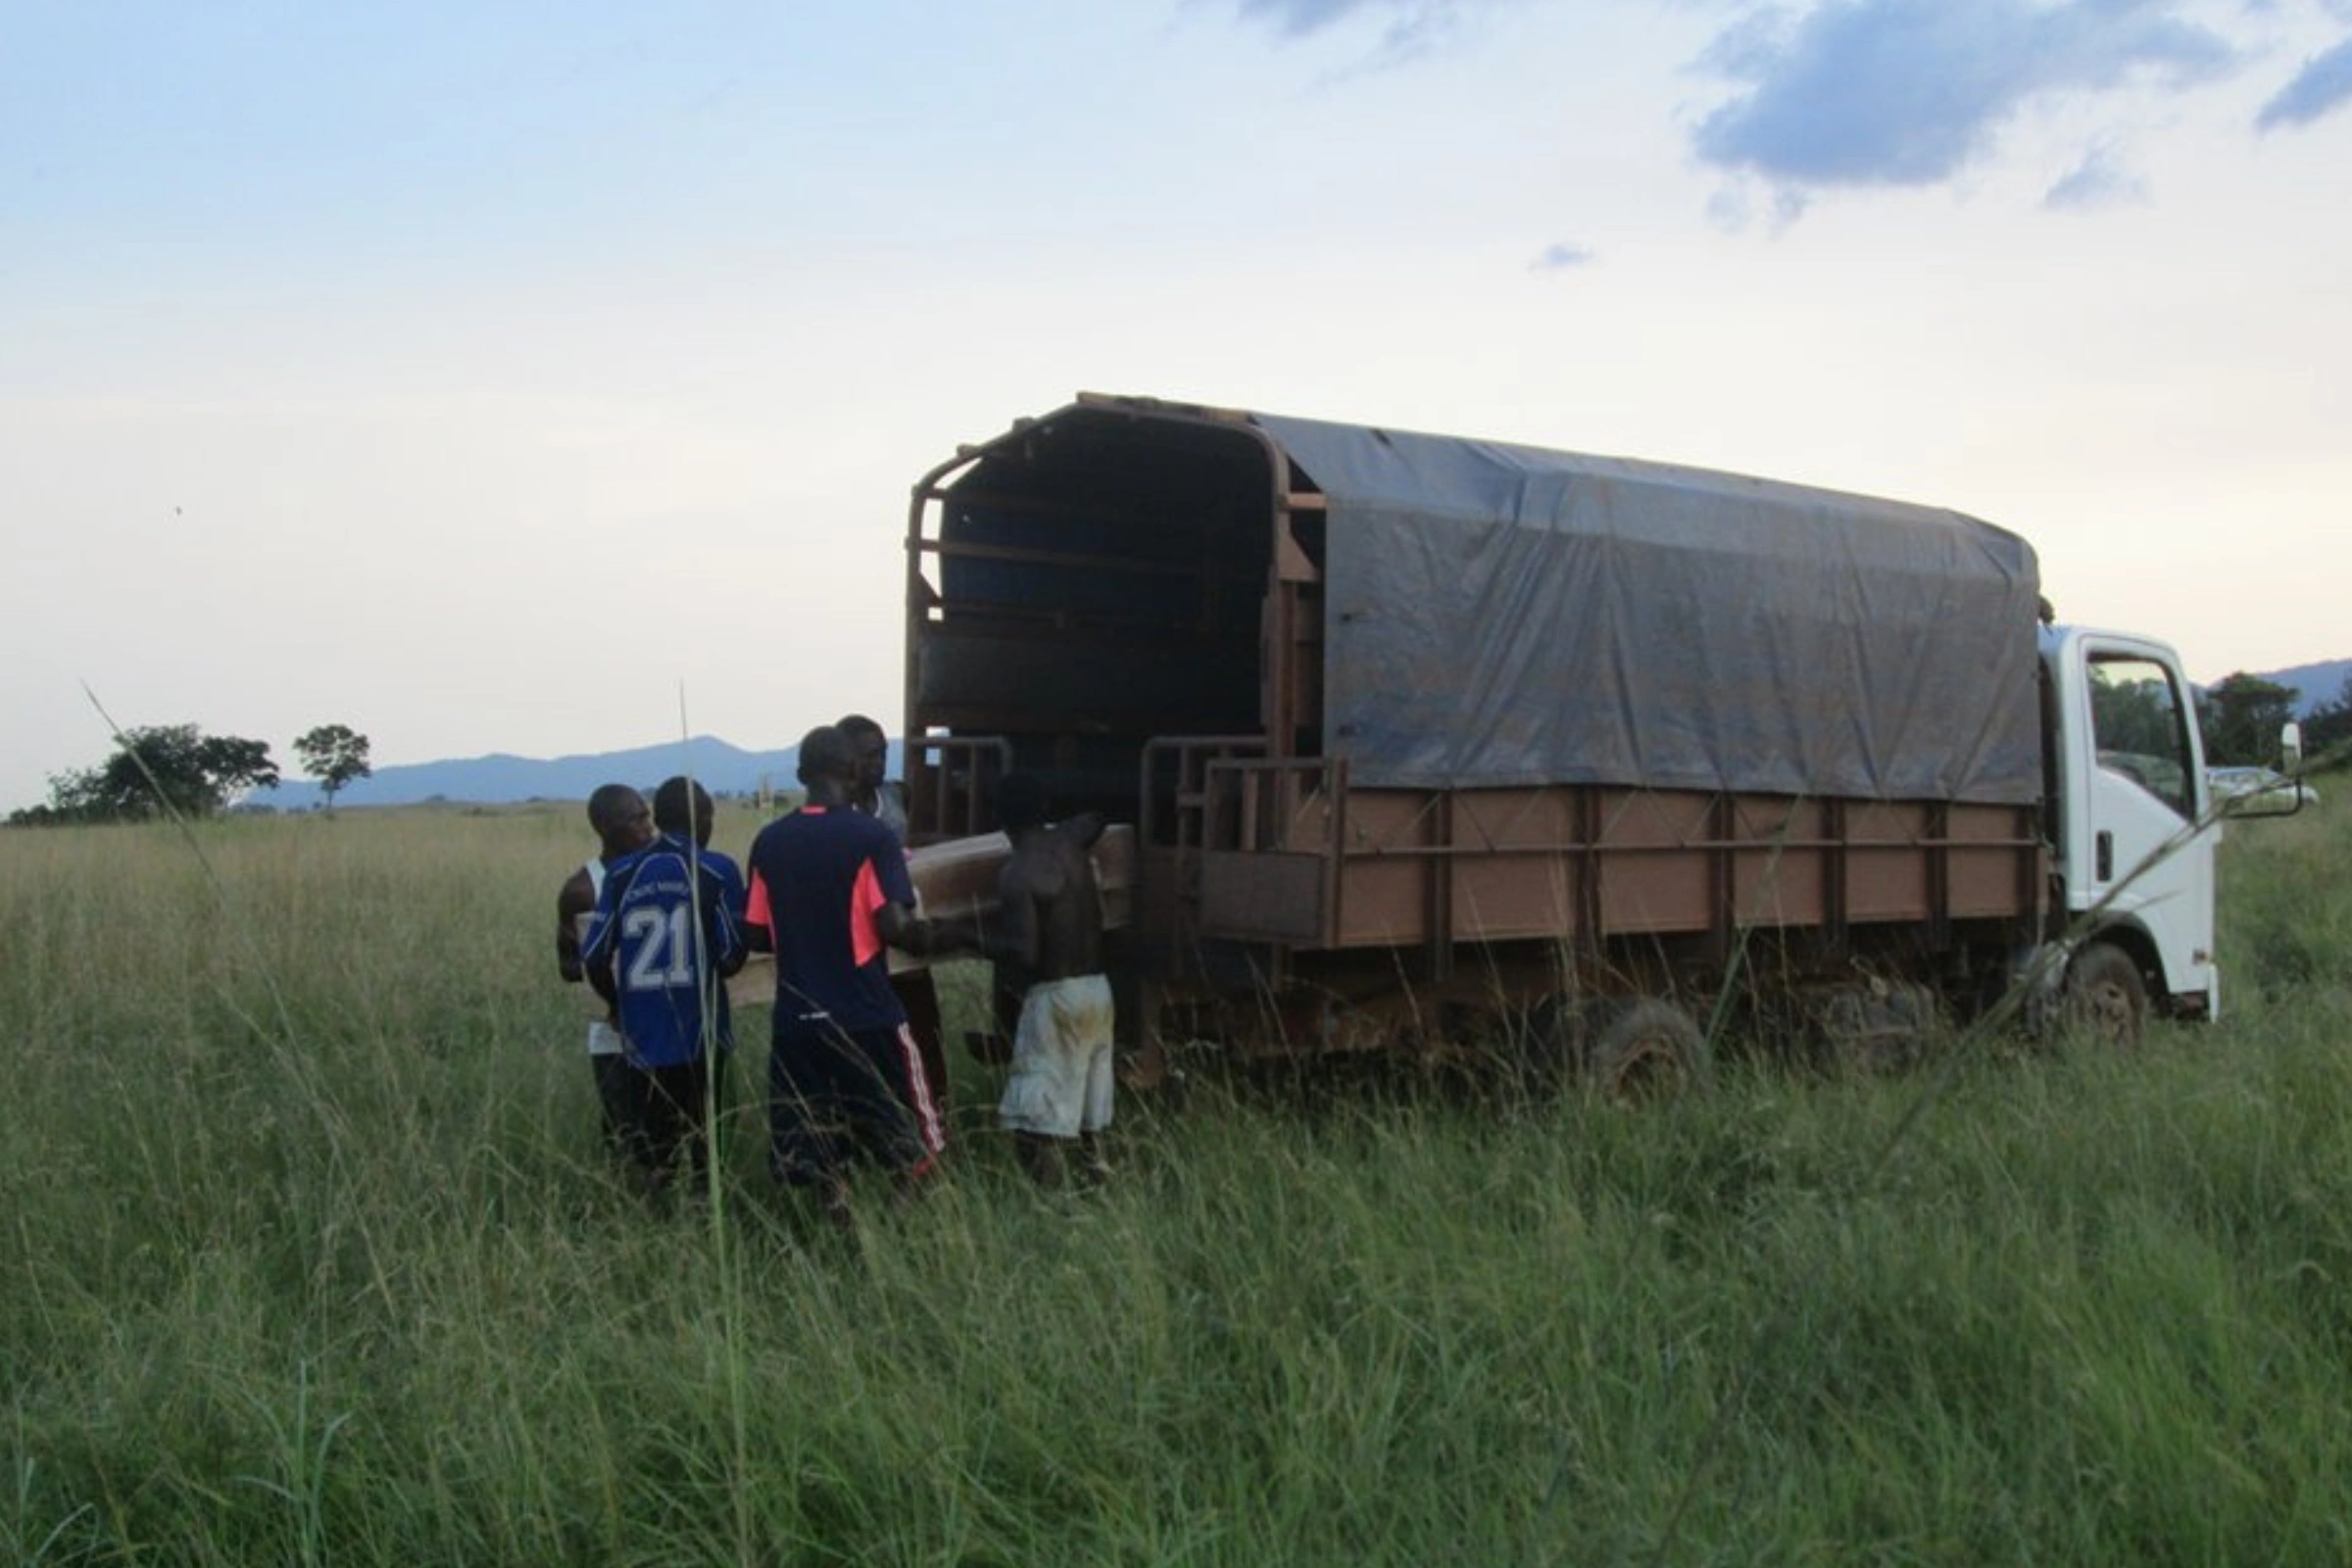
column 733, row 892
column 817, row 878
column 662, row 933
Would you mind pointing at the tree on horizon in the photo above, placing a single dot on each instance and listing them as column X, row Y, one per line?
column 2243, row 715
column 162, row 770
column 336, row 756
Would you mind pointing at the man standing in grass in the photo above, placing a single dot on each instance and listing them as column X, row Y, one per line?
column 829, row 893
column 875, row 793
column 623, row 825
column 884, row 799
column 683, row 809
column 1047, row 940
column 662, row 942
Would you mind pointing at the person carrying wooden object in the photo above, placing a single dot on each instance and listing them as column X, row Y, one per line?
column 623, row 825
column 829, row 895
column 884, row 799
column 1047, row 940
column 662, row 941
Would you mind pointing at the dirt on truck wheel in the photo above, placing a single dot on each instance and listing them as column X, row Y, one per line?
column 2106, row 996
column 1645, row 1048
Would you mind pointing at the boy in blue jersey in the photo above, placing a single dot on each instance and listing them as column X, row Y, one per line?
column 829, row 893
column 683, row 809
column 623, row 825
column 662, row 943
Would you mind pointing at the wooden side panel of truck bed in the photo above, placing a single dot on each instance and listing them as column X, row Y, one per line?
column 1365, row 869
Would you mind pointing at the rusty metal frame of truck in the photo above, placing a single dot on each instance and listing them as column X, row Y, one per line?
column 1419, row 732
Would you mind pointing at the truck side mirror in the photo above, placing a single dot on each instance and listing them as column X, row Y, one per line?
column 2291, row 748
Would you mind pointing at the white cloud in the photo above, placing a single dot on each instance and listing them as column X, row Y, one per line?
column 1910, row 92
column 1561, row 257
column 1297, row 18
column 1409, row 29
column 2323, row 86
column 2099, row 180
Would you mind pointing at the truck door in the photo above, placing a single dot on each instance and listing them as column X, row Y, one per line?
column 2142, row 851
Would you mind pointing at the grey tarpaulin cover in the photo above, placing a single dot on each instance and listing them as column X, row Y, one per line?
column 1500, row 614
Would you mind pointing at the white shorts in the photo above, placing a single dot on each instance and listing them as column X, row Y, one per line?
column 1061, row 1080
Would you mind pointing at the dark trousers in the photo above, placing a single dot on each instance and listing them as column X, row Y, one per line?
column 918, row 994
column 613, row 1100
column 834, row 1094
column 666, row 1115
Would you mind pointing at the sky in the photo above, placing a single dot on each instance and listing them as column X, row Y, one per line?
column 551, row 379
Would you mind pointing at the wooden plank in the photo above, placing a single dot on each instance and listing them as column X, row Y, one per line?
column 956, row 878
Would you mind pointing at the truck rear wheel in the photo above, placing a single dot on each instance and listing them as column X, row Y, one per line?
column 2105, row 996
column 1875, row 1027
column 1647, row 1046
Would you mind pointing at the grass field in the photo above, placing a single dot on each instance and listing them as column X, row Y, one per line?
column 311, row 1258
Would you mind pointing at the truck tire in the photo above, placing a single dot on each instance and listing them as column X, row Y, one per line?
column 1879, row 1027
column 1647, row 1047
column 1549, row 1042
column 2105, row 996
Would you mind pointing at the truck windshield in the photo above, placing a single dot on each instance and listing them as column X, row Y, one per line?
column 2141, row 727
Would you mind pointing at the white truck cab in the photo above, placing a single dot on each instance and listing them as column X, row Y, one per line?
column 2133, row 831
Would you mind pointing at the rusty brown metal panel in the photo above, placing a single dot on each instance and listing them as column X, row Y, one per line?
column 1653, row 870
column 1439, row 940
column 1779, row 819
column 1785, row 885
column 1415, row 867
column 1886, row 871
column 1633, row 819
column 1996, row 860
column 1540, row 819
column 1387, row 863
column 950, row 780
column 2007, row 825
column 1384, row 901
column 1654, row 893
column 1305, row 827
column 1903, row 823
column 1983, row 883
column 1385, row 821
column 1520, row 867
column 1257, row 897
column 1781, row 873
column 1885, row 884
column 1166, row 886
column 1502, row 897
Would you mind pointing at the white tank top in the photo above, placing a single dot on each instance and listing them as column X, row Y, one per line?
column 603, row 1039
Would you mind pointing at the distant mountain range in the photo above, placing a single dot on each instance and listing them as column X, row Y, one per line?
column 2314, row 684
column 500, row 779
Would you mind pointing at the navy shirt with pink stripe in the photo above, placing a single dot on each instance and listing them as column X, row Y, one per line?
column 818, row 876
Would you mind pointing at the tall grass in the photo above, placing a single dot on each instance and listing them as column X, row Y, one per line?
column 311, row 1257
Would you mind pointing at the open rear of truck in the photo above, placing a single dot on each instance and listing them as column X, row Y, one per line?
column 1417, row 732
